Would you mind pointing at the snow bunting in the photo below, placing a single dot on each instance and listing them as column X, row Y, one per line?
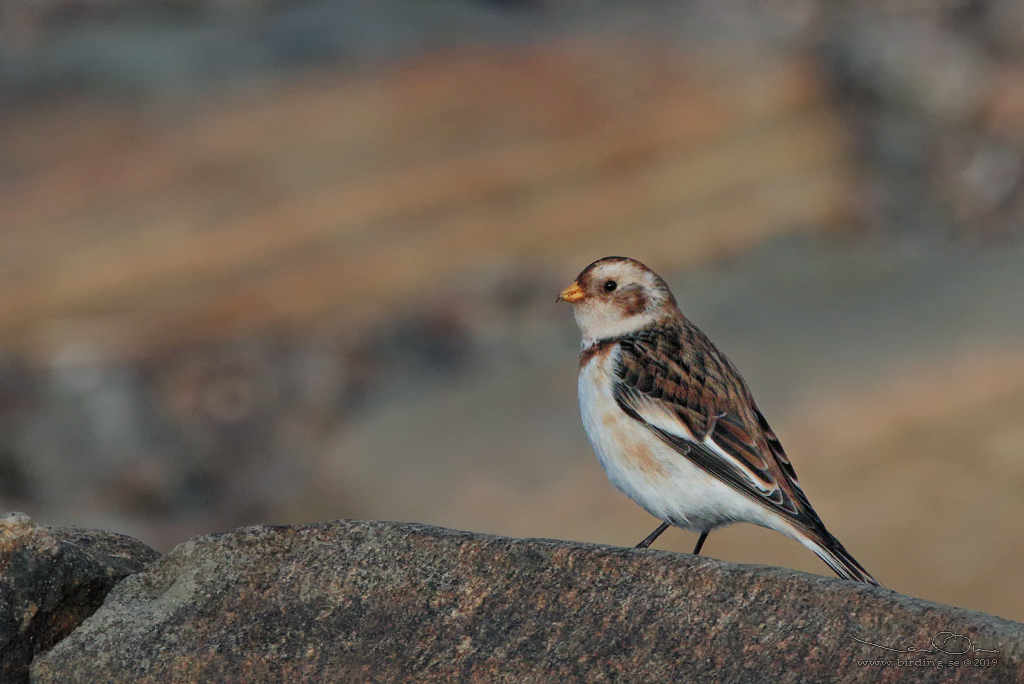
column 672, row 422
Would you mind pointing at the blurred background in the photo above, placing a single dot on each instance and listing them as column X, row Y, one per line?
column 280, row 261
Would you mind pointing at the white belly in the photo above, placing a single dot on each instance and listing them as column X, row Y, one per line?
column 662, row 481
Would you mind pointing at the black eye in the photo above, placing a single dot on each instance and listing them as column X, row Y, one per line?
column 610, row 285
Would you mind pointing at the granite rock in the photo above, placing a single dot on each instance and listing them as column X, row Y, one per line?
column 390, row 602
column 51, row 579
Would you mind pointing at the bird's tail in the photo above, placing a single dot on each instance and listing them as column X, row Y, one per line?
column 828, row 549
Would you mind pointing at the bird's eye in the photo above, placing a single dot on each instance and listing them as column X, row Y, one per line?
column 610, row 285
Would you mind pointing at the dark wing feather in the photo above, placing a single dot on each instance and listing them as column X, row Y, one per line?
column 673, row 369
column 674, row 380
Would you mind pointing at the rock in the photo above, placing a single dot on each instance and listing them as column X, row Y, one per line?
column 53, row 578
column 389, row 602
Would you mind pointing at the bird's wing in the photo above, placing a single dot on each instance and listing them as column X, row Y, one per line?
column 673, row 380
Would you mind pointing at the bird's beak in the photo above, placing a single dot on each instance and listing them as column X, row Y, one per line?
column 571, row 294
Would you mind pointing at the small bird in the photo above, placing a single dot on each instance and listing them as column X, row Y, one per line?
column 672, row 422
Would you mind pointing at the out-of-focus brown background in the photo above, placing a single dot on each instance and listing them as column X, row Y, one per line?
column 276, row 262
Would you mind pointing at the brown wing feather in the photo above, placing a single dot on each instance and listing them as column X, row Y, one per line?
column 675, row 365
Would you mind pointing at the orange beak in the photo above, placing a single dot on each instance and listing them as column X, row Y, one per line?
column 571, row 294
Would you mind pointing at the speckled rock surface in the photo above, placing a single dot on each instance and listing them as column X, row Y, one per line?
column 52, row 578
column 389, row 602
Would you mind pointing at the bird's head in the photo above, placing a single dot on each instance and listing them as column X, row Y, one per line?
column 616, row 296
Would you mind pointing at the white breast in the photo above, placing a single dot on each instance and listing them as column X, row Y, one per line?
column 662, row 481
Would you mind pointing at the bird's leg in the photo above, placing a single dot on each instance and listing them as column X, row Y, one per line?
column 700, row 543
column 652, row 536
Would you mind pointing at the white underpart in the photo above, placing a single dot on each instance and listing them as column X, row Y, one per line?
column 685, row 495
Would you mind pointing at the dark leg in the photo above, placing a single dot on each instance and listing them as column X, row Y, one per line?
column 700, row 543
column 652, row 536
